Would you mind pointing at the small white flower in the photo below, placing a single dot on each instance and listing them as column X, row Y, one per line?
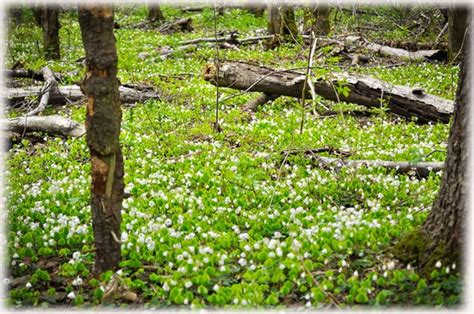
column 447, row 269
column 76, row 255
column 355, row 274
column 438, row 264
column 77, row 281
column 188, row 284
column 216, row 287
column 28, row 285
column 166, row 287
column 453, row 266
column 408, row 267
column 71, row 295
column 343, row 263
column 391, row 265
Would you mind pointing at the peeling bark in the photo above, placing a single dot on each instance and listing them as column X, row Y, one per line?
column 103, row 120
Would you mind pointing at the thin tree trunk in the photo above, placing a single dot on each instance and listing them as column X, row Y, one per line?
column 155, row 14
column 50, row 25
column 281, row 22
column 456, row 32
column 103, row 120
column 318, row 19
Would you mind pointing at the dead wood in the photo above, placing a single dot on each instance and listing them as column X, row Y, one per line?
column 421, row 169
column 252, row 104
column 359, row 89
column 386, row 51
column 73, row 93
column 53, row 125
column 232, row 39
column 50, row 85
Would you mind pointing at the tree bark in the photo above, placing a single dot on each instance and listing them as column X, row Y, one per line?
column 457, row 17
column 361, row 90
column 318, row 19
column 442, row 235
column 282, row 23
column 155, row 14
column 50, row 25
column 446, row 222
column 103, row 120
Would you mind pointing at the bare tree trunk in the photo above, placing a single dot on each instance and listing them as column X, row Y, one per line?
column 318, row 19
column 155, row 14
column 281, row 22
column 16, row 14
column 50, row 25
column 442, row 235
column 457, row 17
column 103, row 120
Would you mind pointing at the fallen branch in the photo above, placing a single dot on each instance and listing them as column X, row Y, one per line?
column 53, row 125
column 422, row 169
column 73, row 93
column 232, row 39
column 386, row 51
column 252, row 105
column 183, row 25
column 50, row 85
column 359, row 89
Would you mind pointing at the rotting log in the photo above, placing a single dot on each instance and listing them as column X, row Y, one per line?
column 421, row 169
column 50, row 85
column 402, row 54
column 73, row 93
column 53, row 125
column 362, row 90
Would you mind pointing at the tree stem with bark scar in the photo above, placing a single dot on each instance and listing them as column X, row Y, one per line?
column 110, row 176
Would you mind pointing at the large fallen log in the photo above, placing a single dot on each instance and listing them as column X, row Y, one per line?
column 53, row 125
column 73, row 93
column 362, row 90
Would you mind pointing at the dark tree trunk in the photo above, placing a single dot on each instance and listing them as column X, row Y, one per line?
column 155, row 14
column 281, row 22
column 457, row 17
column 50, row 25
column 37, row 14
column 441, row 237
column 103, row 120
column 318, row 20
column 16, row 15
column 256, row 10
column 445, row 224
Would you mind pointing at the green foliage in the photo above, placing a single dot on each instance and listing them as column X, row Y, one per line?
column 220, row 219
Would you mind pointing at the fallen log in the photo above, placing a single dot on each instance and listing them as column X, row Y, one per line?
column 359, row 89
column 183, row 25
column 24, row 73
column 386, row 51
column 232, row 39
column 73, row 93
column 421, row 169
column 53, row 125
column 50, row 85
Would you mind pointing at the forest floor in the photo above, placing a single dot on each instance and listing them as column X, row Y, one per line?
column 224, row 218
